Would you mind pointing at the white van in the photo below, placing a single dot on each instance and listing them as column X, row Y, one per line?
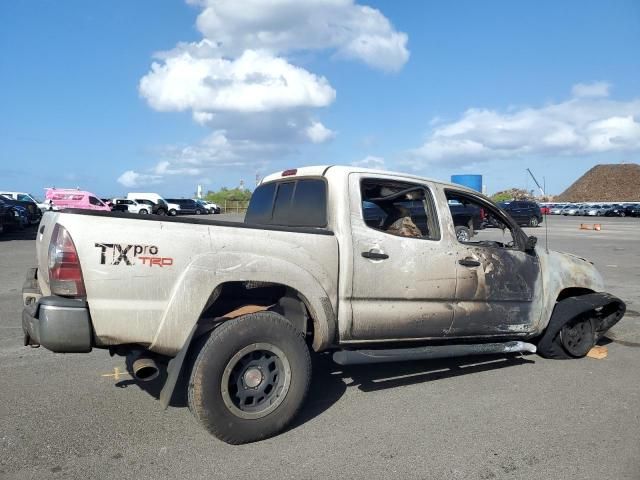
column 172, row 208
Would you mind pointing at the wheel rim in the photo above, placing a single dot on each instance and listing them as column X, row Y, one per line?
column 256, row 381
column 577, row 337
column 533, row 222
column 463, row 236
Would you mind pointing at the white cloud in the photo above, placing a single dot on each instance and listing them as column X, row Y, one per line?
column 595, row 89
column 318, row 133
column 283, row 26
column 134, row 179
column 578, row 126
column 254, row 82
column 240, row 81
column 370, row 161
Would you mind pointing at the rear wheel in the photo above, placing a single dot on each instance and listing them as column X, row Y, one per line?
column 144, row 211
column 534, row 222
column 250, row 378
column 173, row 212
column 198, row 211
column 463, row 234
column 161, row 212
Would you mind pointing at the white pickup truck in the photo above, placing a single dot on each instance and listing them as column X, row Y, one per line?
column 365, row 264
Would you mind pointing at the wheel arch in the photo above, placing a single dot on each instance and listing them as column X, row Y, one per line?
column 207, row 279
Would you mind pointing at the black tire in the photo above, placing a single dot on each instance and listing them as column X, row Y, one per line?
column 161, row 211
column 218, row 377
column 144, row 211
column 463, row 234
column 173, row 212
column 578, row 336
column 198, row 211
column 534, row 222
column 563, row 346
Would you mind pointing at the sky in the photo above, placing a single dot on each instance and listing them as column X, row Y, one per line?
column 163, row 95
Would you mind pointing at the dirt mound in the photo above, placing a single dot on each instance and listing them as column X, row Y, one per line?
column 605, row 183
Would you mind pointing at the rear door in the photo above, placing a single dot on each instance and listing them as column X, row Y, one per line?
column 403, row 281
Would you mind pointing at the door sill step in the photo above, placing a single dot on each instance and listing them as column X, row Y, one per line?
column 360, row 357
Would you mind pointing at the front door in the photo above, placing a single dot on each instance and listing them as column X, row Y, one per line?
column 499, row 286
column 403, row 283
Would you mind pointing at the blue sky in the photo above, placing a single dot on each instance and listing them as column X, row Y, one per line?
column 245, row 88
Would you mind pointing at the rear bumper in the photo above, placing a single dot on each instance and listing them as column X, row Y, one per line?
column 59, row 324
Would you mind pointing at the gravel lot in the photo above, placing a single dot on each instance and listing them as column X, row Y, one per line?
column 481, row 418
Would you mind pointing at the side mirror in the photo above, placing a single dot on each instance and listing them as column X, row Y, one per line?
column 531, row 243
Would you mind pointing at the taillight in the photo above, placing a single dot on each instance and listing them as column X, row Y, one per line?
column 65, row 274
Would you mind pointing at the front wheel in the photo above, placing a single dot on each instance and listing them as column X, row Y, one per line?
column 173, row 212
column 143, row 212
column 162, row 212
column 198, row 212
column 250, row 378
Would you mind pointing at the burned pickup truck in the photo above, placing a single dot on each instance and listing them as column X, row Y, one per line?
column 235, row 309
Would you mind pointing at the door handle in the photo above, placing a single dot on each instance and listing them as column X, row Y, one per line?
column 469, row 262
column 375, row 255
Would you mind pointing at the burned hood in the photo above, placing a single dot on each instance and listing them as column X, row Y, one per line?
column 566, row 270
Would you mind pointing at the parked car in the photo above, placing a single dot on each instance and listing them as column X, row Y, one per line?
column 61, row 198
column 632, row 210
column 595, row 210
column 131, row 206
column 557, row 208
column 163, row 207
column 11, row 216
column 26, row 208
column 156, row 209
column 524, row 212
column 187, row 206
column 574, row 209
column 616, row 210
column 26, row 197
column 467, row 218
column 208, row 207
column 235, row 308
column 214, row 207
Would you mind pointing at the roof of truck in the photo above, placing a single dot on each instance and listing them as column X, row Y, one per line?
column 321, row 170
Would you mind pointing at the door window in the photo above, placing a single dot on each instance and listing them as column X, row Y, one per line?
column 399, row 208
column 479, row 223
column 95, row 201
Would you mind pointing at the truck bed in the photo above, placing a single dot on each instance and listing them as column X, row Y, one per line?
column 151, row 277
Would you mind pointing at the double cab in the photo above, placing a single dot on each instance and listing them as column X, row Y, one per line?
column 363, row 264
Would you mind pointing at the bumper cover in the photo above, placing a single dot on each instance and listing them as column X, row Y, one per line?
column 59, row 324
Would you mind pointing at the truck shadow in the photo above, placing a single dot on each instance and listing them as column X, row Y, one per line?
column 331, row 381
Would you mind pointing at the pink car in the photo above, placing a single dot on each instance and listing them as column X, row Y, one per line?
column 60, row 198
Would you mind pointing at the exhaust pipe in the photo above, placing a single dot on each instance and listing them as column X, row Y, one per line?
column 143, row 367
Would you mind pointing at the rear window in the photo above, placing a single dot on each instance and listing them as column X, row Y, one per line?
column 297, row 203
